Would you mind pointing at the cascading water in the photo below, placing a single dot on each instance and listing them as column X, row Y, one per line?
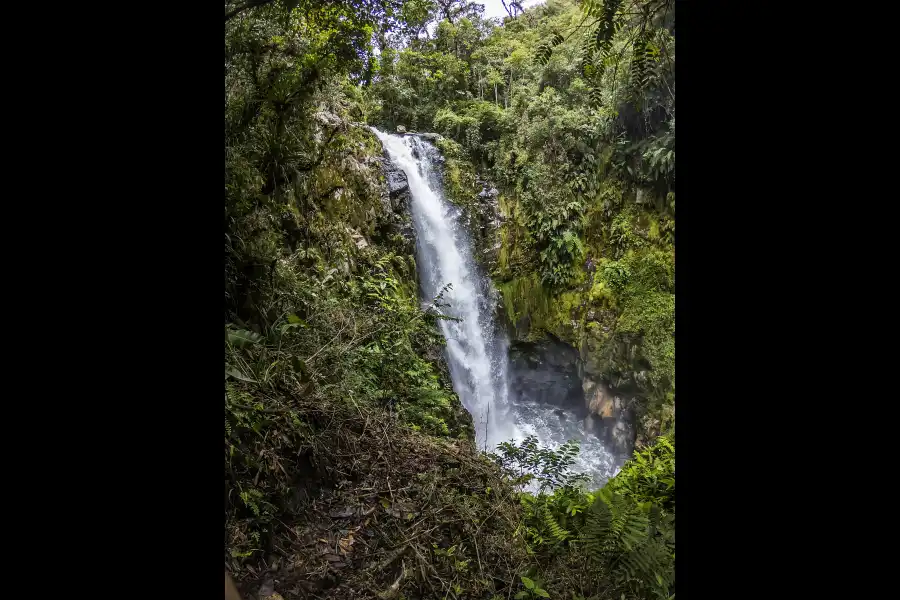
column 477, row 350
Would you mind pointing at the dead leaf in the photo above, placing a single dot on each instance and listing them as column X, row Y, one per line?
column 346, row 544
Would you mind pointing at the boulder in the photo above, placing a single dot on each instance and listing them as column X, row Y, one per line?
column 431, row 137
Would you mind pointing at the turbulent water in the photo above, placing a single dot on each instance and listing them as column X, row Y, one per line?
column 477, row 349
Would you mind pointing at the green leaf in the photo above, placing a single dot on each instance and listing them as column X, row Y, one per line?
column 238, row 375
column 542, row 593
column 528, row 583
column 520, row 595
column 299, row 366
column 242, row 337
column 295, row 320
column 287, row 326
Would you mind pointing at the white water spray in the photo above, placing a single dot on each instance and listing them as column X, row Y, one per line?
column 477, row 350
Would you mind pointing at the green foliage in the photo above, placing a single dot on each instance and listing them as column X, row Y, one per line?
column 625, row 539
column 650, row 474
column 550, row 469
column 553, row 219
column 321, row 301
column 624, row 530
column 542, row 54
column 477, row 125
column 532, row 589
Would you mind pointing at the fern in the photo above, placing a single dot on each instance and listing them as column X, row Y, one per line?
column 620, row 535
column 550, row 522
column 597, row 527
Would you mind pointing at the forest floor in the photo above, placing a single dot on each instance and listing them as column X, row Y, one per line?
column 380, row 510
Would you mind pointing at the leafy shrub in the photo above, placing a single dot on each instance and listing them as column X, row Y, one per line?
column 625, row 530
column 650, row 474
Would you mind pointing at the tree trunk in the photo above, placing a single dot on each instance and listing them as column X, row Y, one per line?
column 508, row 89
column 496, row 100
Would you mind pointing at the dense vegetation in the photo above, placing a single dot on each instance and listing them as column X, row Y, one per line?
column 570, row 110
column 350, row 468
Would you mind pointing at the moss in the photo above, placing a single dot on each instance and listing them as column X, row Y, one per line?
column 535, row 310
column 527, row 304
column 654, row 229
column 514, row 256
column 619, row 313
column 651, row 315
column 602, row 295
column 460, row 185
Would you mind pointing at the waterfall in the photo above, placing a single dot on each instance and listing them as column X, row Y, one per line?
column 477, row 349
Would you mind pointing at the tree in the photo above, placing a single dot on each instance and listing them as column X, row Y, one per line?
column 512, row 9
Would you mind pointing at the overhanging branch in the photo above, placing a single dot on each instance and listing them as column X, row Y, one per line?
column 250, row 4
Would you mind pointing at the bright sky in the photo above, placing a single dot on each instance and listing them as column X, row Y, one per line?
column 494, row 8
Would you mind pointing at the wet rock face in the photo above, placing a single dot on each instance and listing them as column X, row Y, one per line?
column 398, row 185
column 546, row 372
column 487, row 221
column 431, row 137
column 610, row 418
column 395, row 203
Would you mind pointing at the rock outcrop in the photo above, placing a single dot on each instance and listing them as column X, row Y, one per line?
column 609, row 417
column 545, row 372
column 395, row 202
column 488, row 220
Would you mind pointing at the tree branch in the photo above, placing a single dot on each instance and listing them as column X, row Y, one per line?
column 249, row 4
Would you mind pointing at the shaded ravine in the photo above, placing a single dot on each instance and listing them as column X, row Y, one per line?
column 477, row 349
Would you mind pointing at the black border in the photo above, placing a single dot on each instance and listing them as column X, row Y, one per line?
column 162, row 432
column 738, row 363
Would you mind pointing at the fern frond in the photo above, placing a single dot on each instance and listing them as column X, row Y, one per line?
column 558, row 533
column 596, row 528
column 634, row 531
